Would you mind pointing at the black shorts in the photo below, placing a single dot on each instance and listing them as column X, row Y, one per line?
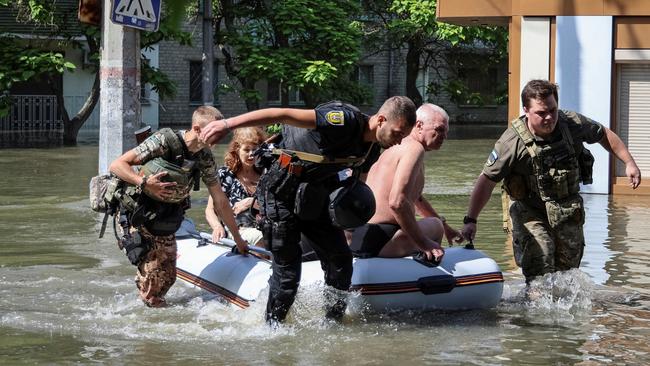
column 368, row 240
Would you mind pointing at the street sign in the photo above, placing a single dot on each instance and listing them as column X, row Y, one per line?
column 141, row 14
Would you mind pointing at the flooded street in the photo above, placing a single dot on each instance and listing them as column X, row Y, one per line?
column 68, row 297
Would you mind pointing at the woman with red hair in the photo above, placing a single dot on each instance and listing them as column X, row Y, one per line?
column 239, row 179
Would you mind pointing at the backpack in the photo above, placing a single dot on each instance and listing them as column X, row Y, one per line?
column 98, row 187
column 102, row 197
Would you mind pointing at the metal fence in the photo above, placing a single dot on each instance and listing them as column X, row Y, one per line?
column 32, row 113
column 33, row 121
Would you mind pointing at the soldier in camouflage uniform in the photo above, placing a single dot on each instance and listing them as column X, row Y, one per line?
column 542, row 160
column 161, row 203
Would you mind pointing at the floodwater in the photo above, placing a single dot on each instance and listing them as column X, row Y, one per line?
column 68, row 297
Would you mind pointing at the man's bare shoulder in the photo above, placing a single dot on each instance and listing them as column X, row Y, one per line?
column 406, row 148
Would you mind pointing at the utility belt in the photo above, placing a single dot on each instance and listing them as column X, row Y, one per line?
column 321, row 159
column 304, row 181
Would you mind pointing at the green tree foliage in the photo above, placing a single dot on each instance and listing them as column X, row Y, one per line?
column 20, row 64
column 308, row 44
column 23, row 59
column 412, row 25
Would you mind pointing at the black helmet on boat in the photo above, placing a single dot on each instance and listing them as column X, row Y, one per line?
column 351, row 205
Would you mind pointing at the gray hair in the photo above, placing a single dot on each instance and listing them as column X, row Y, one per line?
column 432, row 108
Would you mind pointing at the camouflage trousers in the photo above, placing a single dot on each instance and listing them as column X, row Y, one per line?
column 550, row 239
column 157, row 271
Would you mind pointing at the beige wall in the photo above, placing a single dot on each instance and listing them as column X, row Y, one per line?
column 631, row 32
column 498, row 11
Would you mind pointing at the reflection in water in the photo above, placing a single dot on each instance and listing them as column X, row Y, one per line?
column 68, row 297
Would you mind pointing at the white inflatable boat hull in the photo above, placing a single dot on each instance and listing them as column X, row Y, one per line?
column 466, row 279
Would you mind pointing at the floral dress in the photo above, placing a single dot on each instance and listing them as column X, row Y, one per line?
column 235, row 191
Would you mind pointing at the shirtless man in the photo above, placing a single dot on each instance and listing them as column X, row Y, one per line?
column 397, row 180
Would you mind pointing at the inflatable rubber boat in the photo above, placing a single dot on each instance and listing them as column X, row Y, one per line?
column 465, row 279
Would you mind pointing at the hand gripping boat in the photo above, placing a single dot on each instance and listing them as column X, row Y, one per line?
column 465, row 279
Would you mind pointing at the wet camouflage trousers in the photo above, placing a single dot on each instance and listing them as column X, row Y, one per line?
column 157, row 271
column 549, row 240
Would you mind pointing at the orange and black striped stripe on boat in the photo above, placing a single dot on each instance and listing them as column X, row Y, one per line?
column 211, row 287
column 414, row 286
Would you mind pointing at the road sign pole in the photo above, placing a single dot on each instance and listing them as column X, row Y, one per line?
column 208, row 55
column 119, row 71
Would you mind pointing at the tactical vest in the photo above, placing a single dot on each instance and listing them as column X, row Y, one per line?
column 179, row 170
column 556, row 171
column 183, row 176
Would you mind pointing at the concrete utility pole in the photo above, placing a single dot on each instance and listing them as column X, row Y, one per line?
column 207, row 69
column 119, row 73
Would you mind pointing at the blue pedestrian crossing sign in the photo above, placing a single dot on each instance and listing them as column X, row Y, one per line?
column 141, row 14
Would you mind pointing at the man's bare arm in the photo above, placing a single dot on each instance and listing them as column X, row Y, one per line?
column 402, row 208
column 612, row 143
column 479, row 198
column 122, row 168
column 423, row 208
column 303, row 118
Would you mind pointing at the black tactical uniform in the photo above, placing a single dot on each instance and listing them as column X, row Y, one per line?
column 338, row 134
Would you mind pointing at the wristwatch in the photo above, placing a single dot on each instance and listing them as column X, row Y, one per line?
column 469, row 220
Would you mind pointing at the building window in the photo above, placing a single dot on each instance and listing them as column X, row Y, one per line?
column 476, row 79
column 196, row 88
column 274, row 94
column 364, row 75
column 481, row 84
column 145, row 94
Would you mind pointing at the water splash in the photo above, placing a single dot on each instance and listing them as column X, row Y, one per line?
column 554, row 297
column 568, row 291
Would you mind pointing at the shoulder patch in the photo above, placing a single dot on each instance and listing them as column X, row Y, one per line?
column 335, row 118
column 492, row 158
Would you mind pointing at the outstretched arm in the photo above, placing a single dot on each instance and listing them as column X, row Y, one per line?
column 612, row 143
column 479, row 198
column 216, row 130
column 424, row 208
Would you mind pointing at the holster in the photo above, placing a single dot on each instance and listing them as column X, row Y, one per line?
column 283, row 178
column 135, row 247
column 586, row 163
